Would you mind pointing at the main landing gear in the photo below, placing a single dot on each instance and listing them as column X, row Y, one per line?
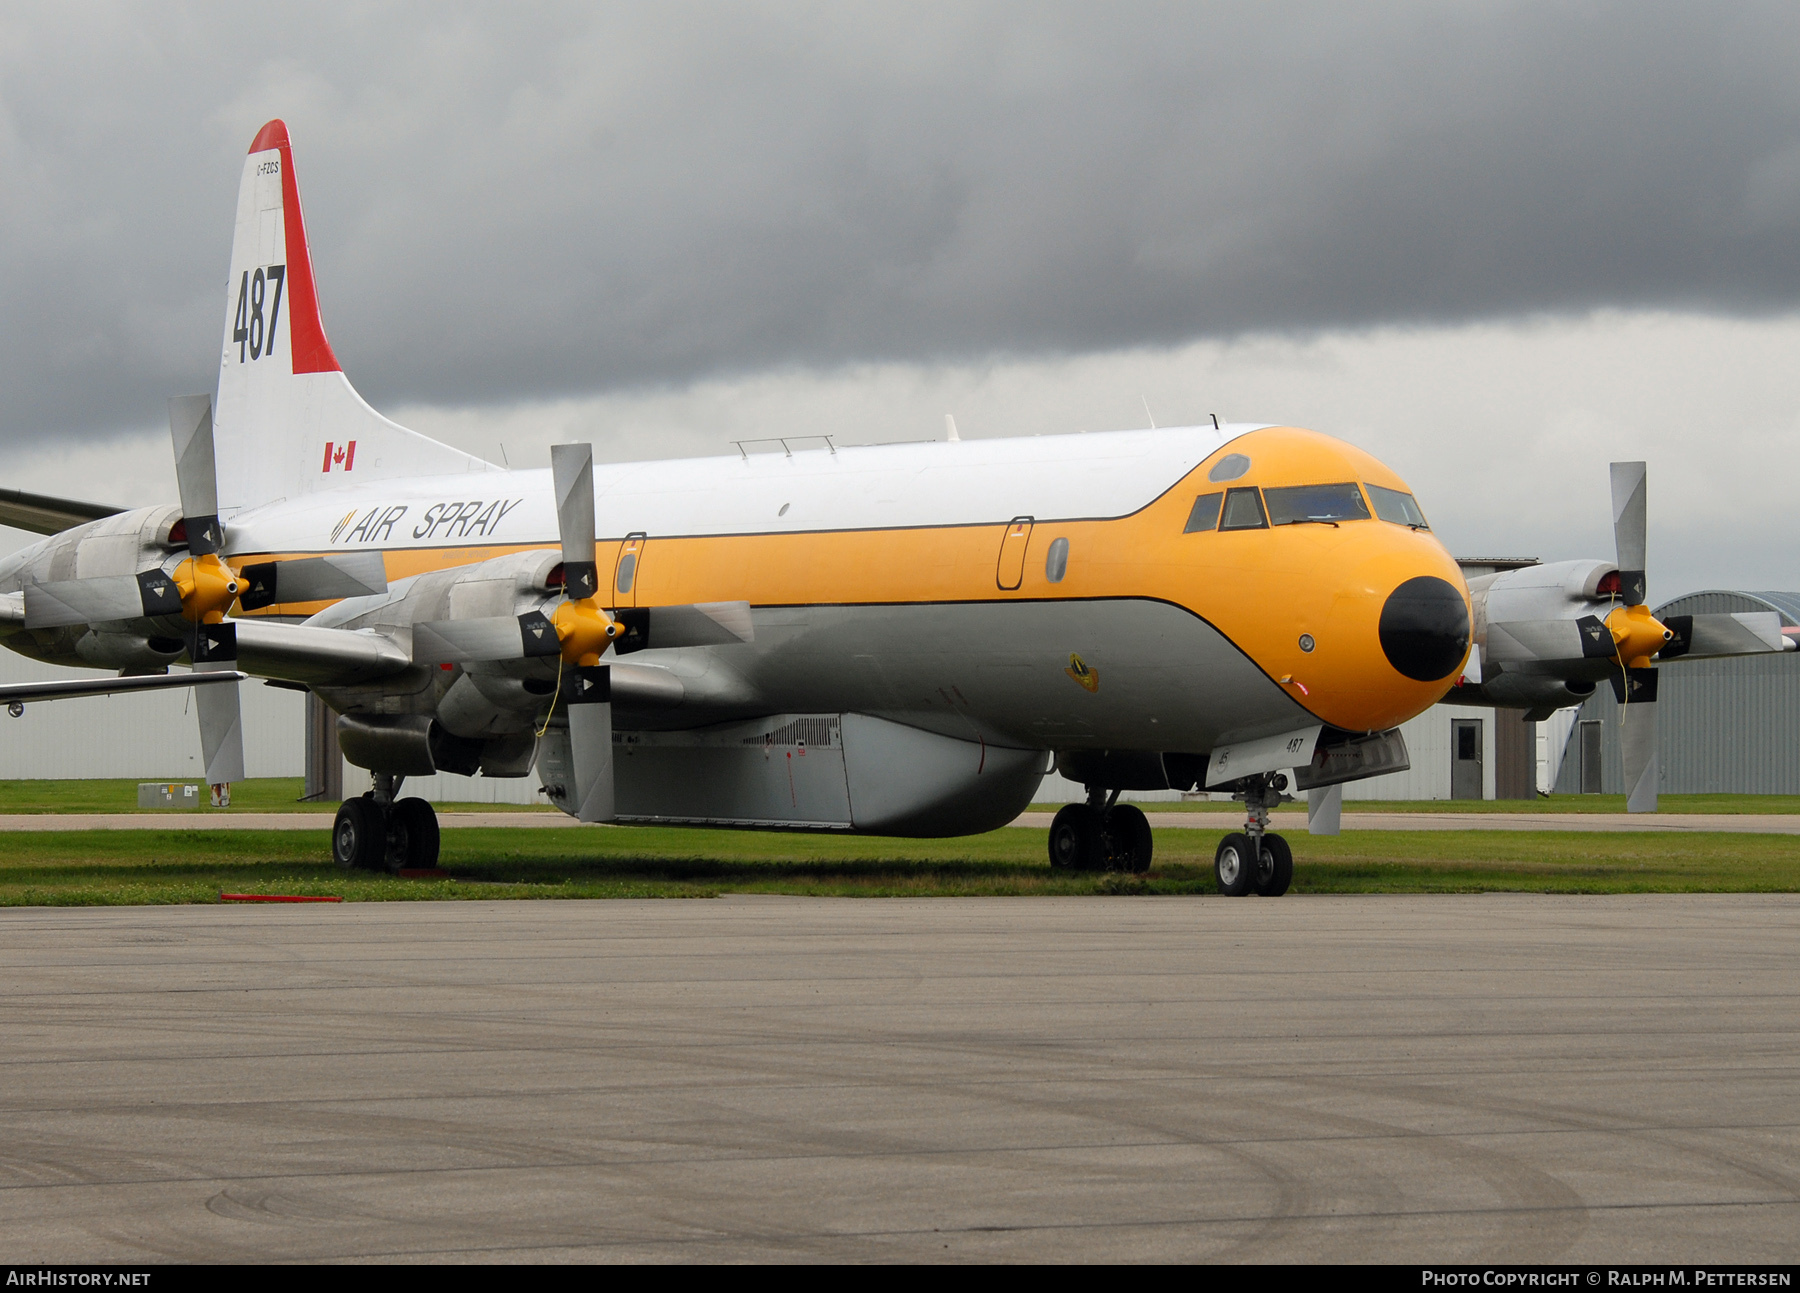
column 1100, row 835
column 1252, row 860
column 379, row 833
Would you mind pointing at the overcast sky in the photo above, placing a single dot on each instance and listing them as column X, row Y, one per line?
column 1496, row 244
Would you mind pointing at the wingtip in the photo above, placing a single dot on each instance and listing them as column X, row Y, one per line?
column 273, row 135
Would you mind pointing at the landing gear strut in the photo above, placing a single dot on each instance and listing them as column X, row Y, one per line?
column 376, row 832
column 1100, row 835
column 1252, row 860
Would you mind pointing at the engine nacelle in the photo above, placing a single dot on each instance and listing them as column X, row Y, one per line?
column 124, row 544
column 413, row 745
column 1558, row 590
column 114, row 545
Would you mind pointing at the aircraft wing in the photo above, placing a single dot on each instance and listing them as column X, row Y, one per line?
column 42, row 514
column 24, row 691
column 318, row 656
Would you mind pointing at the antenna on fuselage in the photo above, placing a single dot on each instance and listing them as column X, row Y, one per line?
column 950, row 429
column 1215, row 418
column 1147, row 412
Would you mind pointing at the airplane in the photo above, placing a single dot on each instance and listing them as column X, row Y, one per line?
column 801, row 635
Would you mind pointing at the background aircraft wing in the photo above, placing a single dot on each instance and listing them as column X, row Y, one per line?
column 72, row 687
column 42, row 514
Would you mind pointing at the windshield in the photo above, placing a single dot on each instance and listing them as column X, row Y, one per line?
column 1298, row 504
column 1397, row 506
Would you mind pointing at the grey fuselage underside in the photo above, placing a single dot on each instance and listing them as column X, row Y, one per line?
column 998, row 672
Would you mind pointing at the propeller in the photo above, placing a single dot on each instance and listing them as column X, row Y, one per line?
column 581, row 631
column 202, row 588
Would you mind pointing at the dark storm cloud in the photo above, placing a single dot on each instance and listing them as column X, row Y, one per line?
column 586, row 199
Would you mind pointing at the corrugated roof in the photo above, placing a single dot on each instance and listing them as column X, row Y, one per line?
column 1726, row 601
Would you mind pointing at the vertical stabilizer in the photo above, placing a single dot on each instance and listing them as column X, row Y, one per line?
column 287, row 421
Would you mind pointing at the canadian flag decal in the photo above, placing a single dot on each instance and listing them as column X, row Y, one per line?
column 339, row 455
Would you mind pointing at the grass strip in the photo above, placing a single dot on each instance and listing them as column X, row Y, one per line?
column 81, row 868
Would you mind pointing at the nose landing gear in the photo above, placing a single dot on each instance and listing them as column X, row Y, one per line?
column 1100, row 835
column 1253, row 860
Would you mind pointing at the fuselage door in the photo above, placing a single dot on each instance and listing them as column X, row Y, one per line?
column 1010, row 572
column 627, row 569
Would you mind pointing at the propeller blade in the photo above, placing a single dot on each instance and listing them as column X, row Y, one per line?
column 98, row 601
column 591, row 743
column 1704, row 637
column 191, row 431
column 1636, row 693
column 572, row 468
column 1519, row 641
column 213, row 647
column 313, row 579
column 1628, row 503
column 488, row 637
column 221, row 727
column 1325, row 809
column 700, row 624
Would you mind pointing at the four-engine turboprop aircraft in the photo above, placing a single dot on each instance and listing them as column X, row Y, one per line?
column 894, row 639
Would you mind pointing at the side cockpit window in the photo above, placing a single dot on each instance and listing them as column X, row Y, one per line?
column 1397, row 506
column 1243, row 511
column 1205, row 515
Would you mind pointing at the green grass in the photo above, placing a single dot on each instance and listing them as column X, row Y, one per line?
column 74, row 868
column 262, row 795
column 282, row 794
column 1553, row 804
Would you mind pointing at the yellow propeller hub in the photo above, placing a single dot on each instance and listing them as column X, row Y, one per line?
column 584, row 631
column 1637, row 634
column 208, row 587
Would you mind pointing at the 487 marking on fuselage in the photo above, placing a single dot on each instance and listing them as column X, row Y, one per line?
column 249, row 329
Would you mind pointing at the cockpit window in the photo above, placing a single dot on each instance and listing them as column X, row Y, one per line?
column 1205, row 515
column 1323, row 504
column 1397, row 506
column 1243, row 511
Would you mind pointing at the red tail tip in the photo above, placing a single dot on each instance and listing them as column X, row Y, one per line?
column 273, row 135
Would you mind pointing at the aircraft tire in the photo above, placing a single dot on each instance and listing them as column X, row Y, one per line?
column 412, row 836
column 1076, row 841
column 359, row 835
column 1277, row 870
column 1128, row 839
column 1232, row 867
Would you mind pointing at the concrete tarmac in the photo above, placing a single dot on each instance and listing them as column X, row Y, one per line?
column 1407, row 1079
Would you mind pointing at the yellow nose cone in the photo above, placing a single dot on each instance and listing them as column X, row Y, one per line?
column 1637, row 634
column 584, row 631
column 208, row 587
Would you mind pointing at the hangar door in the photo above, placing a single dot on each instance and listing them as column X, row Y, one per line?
column 1465, row 758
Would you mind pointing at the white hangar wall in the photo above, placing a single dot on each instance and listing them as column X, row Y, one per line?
column 149, row 737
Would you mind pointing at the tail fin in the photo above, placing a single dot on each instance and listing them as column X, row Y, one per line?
column 286, row 420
